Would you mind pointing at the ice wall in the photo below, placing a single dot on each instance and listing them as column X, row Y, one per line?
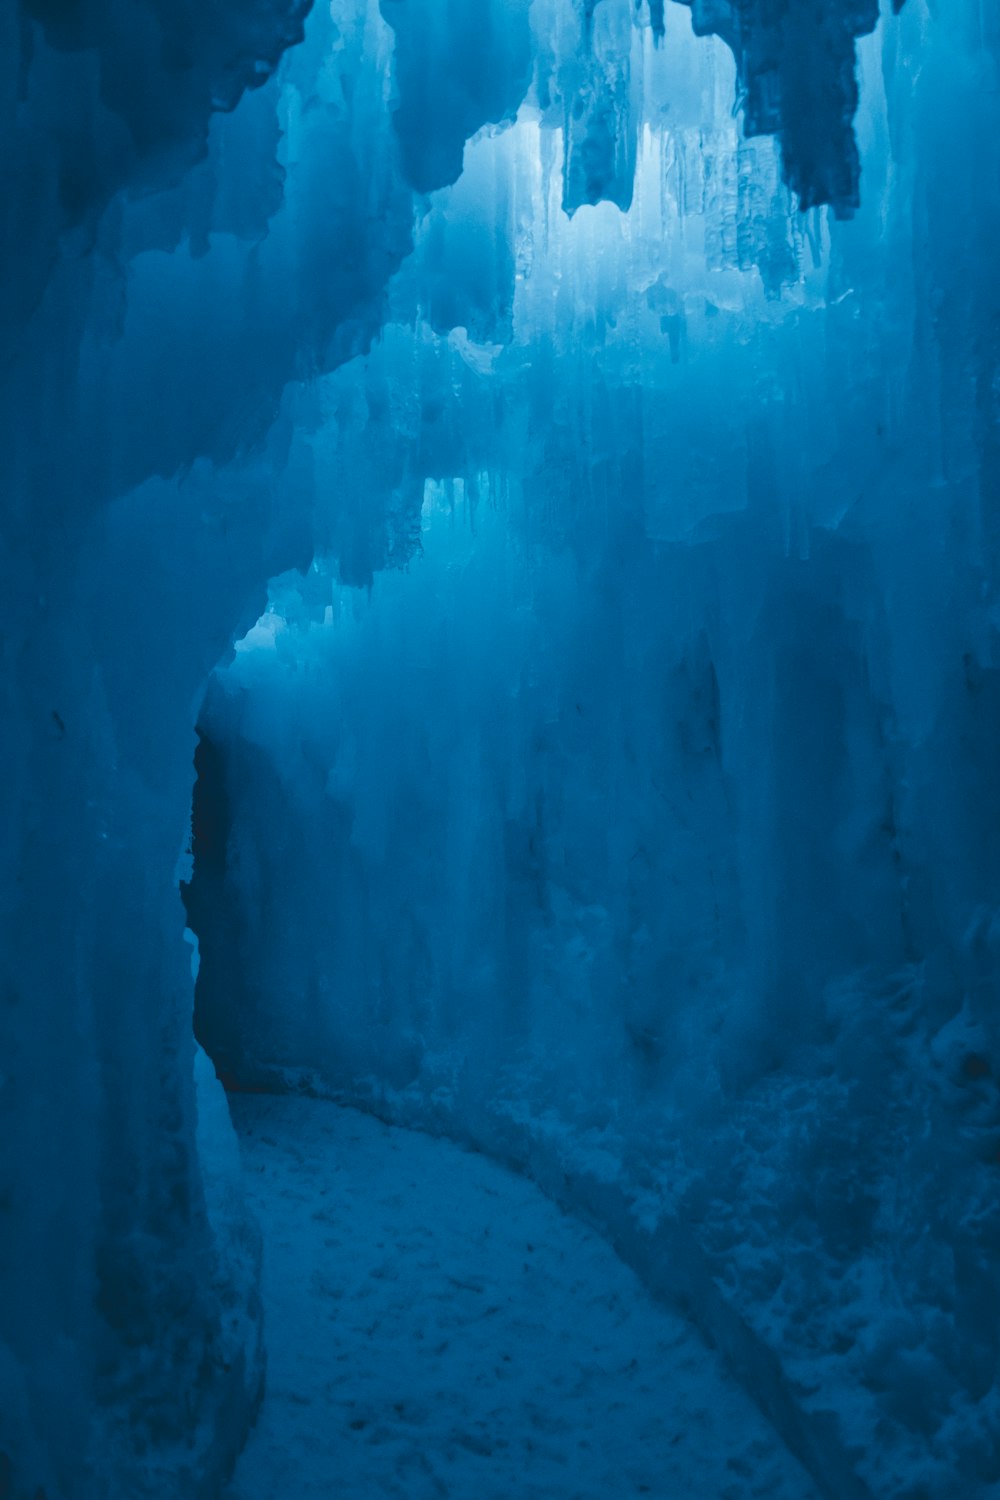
column 642, row 826
column 166, row 293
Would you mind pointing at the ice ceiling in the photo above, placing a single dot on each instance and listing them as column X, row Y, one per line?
column 585, row 419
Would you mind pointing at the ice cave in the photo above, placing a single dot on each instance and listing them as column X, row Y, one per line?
column 501, row 734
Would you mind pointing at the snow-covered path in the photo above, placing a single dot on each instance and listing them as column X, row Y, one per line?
column 437, row 1328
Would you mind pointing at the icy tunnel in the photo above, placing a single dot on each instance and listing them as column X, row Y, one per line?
column 501, row 703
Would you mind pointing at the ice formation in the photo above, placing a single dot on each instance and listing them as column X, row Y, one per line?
column 609, row 397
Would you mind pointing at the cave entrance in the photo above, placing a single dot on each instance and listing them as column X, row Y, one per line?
column 209, row 914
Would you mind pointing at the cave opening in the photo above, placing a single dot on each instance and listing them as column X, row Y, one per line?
column 203, row 895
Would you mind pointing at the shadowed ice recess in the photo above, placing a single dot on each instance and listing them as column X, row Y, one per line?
column 500, row 546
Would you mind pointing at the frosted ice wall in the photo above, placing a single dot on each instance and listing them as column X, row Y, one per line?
column 643, row 827
column 165, row 292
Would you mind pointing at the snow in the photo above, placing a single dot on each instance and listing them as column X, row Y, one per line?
column 437, row 1327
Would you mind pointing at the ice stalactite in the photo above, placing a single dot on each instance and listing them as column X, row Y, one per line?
column 797, row 74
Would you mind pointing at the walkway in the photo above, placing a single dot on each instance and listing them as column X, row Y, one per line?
column 438, row 1330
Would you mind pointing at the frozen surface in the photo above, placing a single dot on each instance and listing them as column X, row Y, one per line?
column 437, row 1327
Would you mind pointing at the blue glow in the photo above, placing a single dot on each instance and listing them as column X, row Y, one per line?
column 531, row 473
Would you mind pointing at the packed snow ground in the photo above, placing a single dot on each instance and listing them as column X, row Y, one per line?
column 436, row 1327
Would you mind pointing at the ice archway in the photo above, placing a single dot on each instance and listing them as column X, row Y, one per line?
column 195, row 236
